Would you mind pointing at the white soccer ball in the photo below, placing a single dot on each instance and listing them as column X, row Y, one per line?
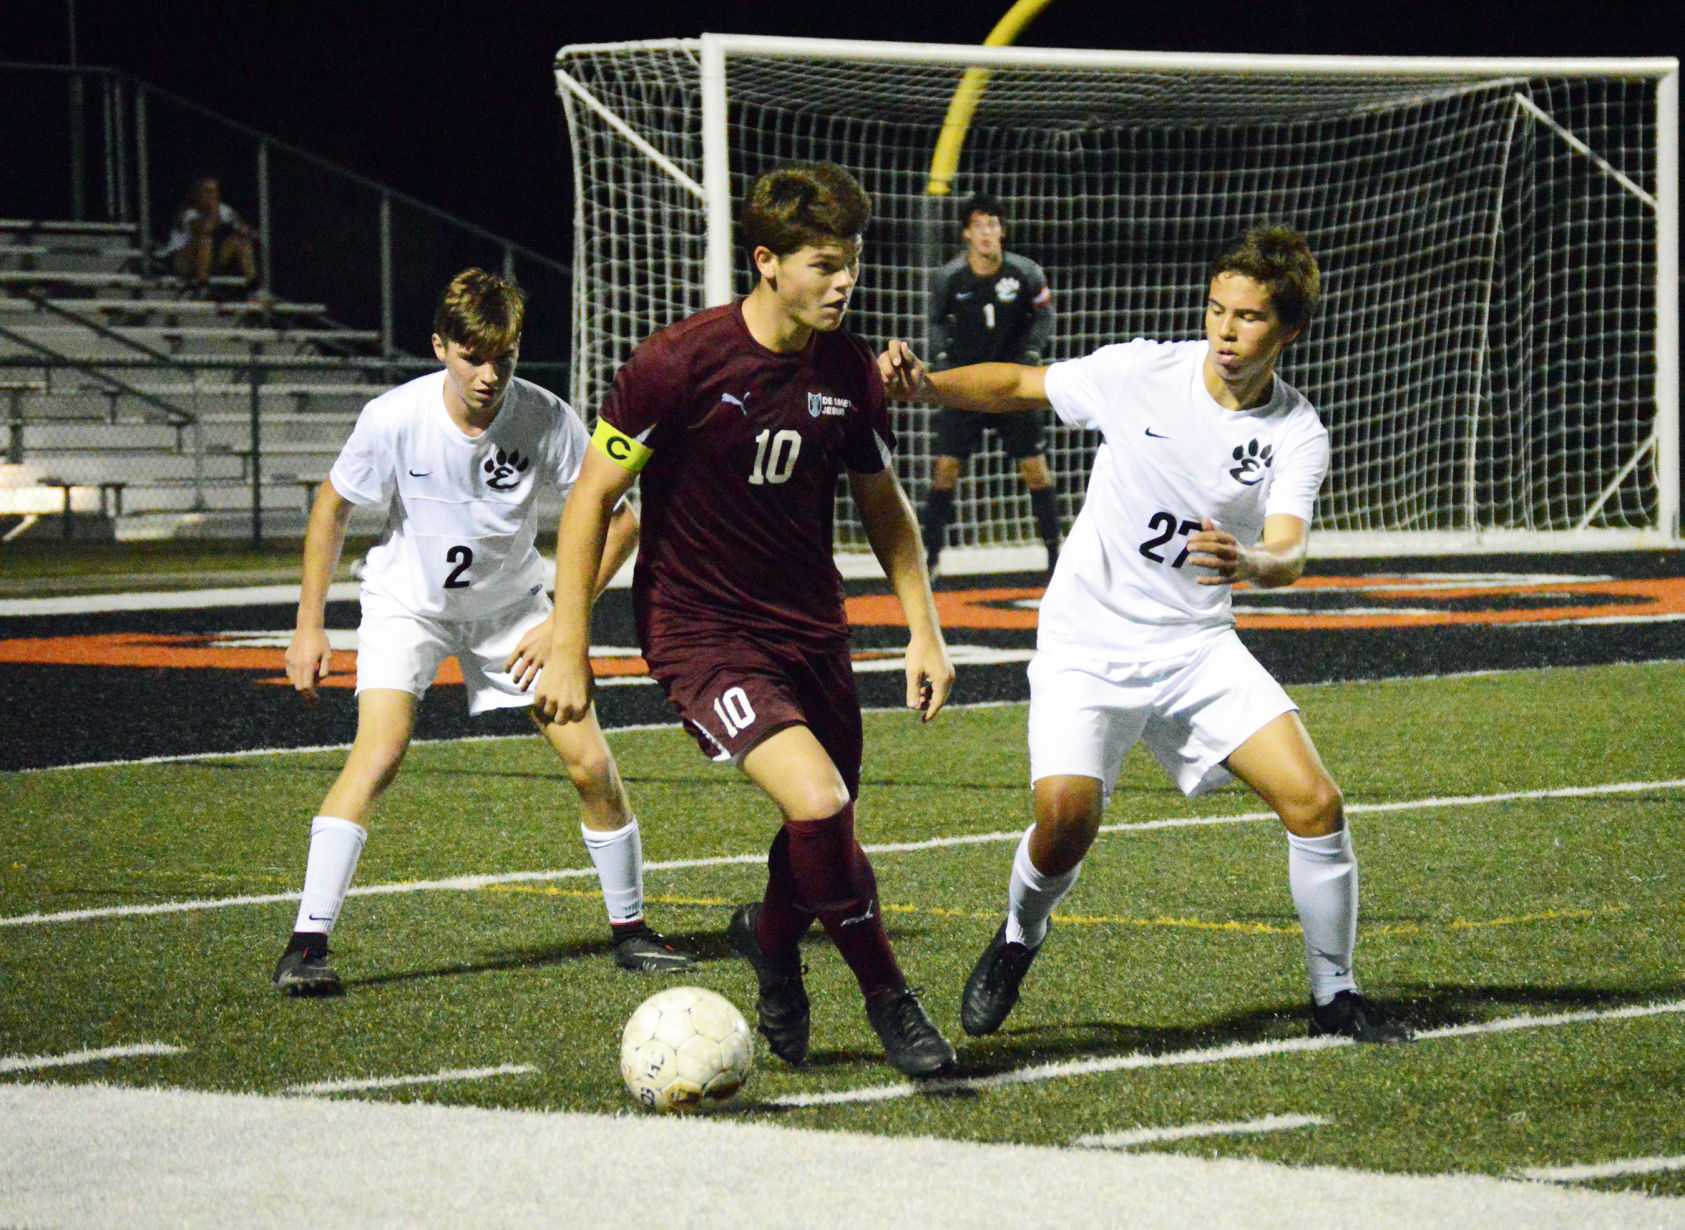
column 685, row 1048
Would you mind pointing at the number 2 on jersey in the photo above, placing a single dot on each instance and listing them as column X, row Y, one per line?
column 463, row 558
column 775, row 456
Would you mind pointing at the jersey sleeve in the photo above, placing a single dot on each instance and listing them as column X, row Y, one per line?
column 571, row 441
column 1075, row 388
column 938, row 318
column 1299, row 472
column 366, row 470
column 645, row 391
column 869, row 445
column 1033, row 349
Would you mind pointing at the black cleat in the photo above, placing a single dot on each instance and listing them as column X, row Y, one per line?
column 643, row 950
column 992, row 989
column 785, row 1020
column 1352, row 1016
column 914, row 1046
column 303, row 971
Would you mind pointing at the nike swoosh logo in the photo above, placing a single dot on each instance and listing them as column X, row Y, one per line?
column 420, row 473
column 1157, row 435
column 321, row 918
column 963, row 295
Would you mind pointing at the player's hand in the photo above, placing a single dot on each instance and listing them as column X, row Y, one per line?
column 1221, row 552
column 930, row 676
column 309, row 661
column 564, row 692
column 529, row 657
column 903, row 371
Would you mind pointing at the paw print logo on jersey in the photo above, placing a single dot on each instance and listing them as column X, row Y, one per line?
column 1006, row 290
column 506, row 469
column 1253, row 461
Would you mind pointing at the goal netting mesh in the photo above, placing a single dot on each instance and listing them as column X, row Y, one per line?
column 1486, row 357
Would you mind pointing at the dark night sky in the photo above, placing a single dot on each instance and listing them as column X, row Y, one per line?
column 453, row 103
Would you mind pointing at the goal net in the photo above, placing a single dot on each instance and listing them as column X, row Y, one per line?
column 1496, row 352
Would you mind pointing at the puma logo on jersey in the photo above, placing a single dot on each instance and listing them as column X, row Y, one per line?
column 506, row 470
column 1253, row 461
column 740, row 402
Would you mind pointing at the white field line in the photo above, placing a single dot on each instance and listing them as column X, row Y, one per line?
column 476, row 882
column 1205, row 1055
column 398, row 1082
column 1194, row 1131
column 33, row 1063
column 1601, row 1170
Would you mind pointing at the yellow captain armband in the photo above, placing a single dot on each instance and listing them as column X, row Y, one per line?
column 620, row 448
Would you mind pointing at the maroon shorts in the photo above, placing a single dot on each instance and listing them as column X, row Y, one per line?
column 733, row 692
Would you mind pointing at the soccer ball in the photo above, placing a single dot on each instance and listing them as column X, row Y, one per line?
column 685, row 1048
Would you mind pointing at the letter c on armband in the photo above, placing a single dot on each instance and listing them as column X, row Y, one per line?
column 620, row 448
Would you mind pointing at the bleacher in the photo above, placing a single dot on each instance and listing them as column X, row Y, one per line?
column 130, row 403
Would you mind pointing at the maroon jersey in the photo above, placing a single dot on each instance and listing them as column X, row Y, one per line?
column 738, row 497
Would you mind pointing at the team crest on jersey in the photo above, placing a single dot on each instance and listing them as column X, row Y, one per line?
column 1006, row 290
column 1253, row 461
column 824, row 403
column 505, row 470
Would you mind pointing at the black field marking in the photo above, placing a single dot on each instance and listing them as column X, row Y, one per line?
column 73, row 714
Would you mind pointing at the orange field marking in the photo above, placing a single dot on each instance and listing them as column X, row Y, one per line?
column 1421, row 602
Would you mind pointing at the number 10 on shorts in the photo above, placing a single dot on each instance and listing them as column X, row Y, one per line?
column 735, row 712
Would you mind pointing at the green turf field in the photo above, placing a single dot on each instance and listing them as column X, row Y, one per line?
column 1501, row 886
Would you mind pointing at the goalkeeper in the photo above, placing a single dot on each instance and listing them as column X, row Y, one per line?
column 1207, row 475
column 988, row 305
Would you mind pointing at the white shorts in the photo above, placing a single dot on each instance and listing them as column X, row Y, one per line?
column 396, row 648
column 1191, row 711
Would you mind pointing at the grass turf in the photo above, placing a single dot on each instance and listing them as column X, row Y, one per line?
column 1175, row 940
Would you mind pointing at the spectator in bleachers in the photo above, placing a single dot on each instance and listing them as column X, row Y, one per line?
column 210, row 239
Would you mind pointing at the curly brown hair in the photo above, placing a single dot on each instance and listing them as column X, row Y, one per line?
column 803, row 204
column 1277, row 258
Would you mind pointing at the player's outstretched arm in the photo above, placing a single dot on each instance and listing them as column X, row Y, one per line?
column 988, row 388
column 309, row 658
column 894, row 535
column 564, row 687
column 1277, row 560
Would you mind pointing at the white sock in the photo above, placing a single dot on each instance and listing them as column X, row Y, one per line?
column 1031, row 896
column 1322, row 872
column 619, row 858
column 335, row 846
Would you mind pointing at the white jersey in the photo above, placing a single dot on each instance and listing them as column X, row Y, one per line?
column 1171, row 455
column 462, row 513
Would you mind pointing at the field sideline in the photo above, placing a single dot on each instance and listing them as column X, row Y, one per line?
column 1541, row 960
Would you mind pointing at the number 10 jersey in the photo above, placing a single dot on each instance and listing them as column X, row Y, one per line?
column 739, row 492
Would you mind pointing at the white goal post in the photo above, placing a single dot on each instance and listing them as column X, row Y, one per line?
column 1497, row 352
